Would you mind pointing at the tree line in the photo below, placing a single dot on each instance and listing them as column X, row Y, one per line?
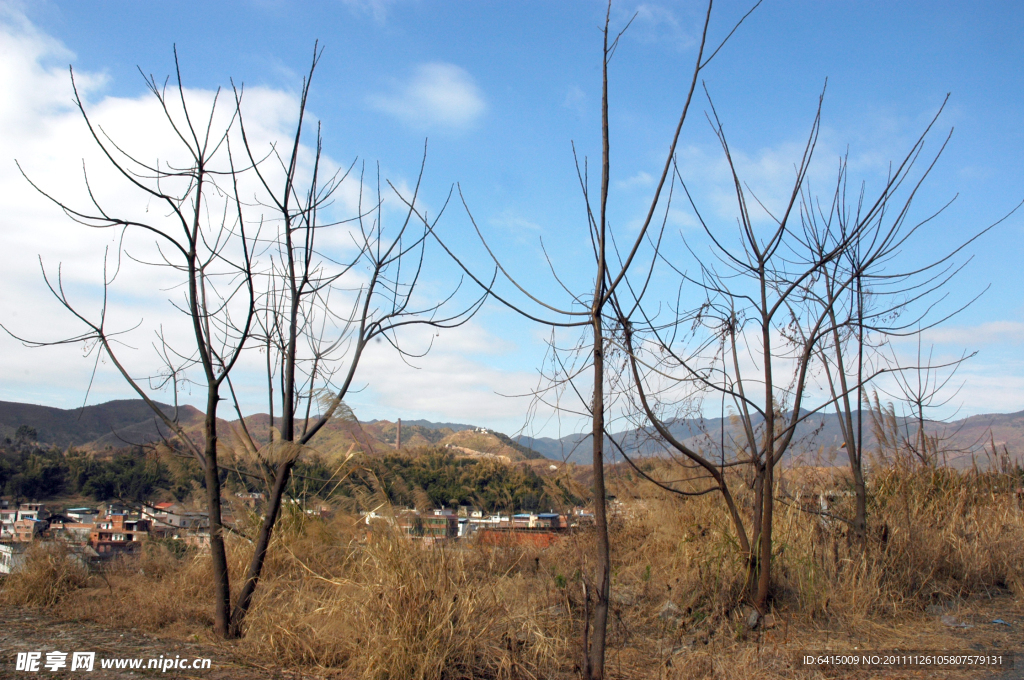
column 31, row 472
column 427, row 478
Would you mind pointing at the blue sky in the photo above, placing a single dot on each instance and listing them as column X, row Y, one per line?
column 500, row 90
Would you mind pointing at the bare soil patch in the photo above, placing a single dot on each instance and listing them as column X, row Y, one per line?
column 27, row 629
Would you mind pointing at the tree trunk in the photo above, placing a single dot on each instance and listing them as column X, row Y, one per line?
column 595, row 655
column 764, row 573
column 218, row 556
column 860, row 512
column 252, row 577
column 754, row 556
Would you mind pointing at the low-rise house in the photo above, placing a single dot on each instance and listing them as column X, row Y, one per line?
column 84, row 553
column 12, row 557
column 321, row 510
column 490, row 521
column 373, row 516
column 8, row 517
column 538, row 530
column 251, row 498
column 174, row 515
column 115, row 508
column 83, row 515
column 58, row 521
column 466, row 528
column 35, row 511
column 543, row 520
column 200, row 540
column 28, row 530
column 551, row 520
column 75, row 532
column 436, row 526
column 118, row 535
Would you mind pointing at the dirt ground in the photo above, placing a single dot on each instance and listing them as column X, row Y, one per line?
column 967, row 627
column 990, row 625
column 33, row 630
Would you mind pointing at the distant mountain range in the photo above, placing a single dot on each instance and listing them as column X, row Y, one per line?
column 117, row 424
column 817, row 440
column 124, row 423
column 131, row 420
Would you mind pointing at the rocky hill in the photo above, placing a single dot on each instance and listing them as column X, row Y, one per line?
column 481, row 443
column 119, row 424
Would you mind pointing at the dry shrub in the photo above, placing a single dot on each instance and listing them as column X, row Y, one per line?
column 934, row 536
column 51, row 572
column 391, row 608
column 947, row 534
column 155, row 590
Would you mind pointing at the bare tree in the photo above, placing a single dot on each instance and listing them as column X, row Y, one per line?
column 200, row 235
column 590, row 312
column 317, row 312
column 904, row 440
column 771, row 308
column 872, row 298
column 255, row 278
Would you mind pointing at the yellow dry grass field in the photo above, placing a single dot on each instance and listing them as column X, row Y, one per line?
column 945, row 557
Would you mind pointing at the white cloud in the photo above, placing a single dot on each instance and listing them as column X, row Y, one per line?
column 516, row 224
column 991, row 333
column 451, row 383
column 654, row 23
column 575, row 100
column 378, row 9
column 34, row 75
column 46, row 133
column 640, row 179
column 438, row 95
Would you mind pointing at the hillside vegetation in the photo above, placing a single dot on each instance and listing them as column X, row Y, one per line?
column 424, row 477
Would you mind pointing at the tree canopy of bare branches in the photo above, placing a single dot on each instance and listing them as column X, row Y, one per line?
column 240, row 233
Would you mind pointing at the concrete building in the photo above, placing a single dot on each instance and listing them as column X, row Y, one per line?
column 118, row 535
column 12, row 557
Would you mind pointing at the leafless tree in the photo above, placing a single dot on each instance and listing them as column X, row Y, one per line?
column 317, row 312
column 590, row 312
column 201, row 236
column 873, row 296
column 772, row 307
column 921, row 388
column 255, row 278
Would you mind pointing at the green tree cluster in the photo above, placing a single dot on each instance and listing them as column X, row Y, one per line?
column 29, row 471
column 437, row 478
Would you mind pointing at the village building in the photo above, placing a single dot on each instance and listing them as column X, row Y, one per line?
column 35, row 511
column 8, row 516
column 83, row 515
column 436, row 526
column 12, row 557
column 118, row 535
column 28, row 530
column 77, row 532
column 176, row 516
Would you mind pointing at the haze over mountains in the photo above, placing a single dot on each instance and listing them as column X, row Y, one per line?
column 122, row 423
column 817, row 440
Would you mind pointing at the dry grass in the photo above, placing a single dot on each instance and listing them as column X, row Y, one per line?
column 388, row 608
column 51, row 573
